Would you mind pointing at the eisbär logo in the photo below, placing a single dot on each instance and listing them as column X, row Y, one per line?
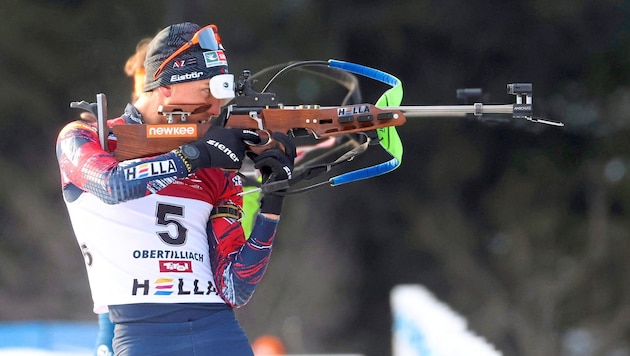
column 187, row 76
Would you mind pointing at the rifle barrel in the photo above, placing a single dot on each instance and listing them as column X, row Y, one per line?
column 453, row 110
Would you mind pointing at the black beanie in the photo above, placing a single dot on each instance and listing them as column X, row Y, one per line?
column 193, row 64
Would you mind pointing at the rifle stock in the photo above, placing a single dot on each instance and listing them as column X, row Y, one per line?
column 134, row 141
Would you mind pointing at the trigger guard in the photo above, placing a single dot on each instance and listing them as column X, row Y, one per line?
column 269, row 139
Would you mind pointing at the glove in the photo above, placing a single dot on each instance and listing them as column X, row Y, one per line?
column 220, row 147
column 275, row 165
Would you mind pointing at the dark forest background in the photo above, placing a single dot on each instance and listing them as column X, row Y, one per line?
column 522, row 228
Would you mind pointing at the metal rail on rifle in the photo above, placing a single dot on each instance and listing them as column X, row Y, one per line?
column 522, row 109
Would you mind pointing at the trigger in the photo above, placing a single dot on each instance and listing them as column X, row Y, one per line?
column 265, row 139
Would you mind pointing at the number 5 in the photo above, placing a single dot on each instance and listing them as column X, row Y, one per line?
column 163, row 211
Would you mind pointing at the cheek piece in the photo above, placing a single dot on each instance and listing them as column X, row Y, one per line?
column 222, row 87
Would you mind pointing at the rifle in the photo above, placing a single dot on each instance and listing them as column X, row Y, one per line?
column 262, row 111
column 146, row 140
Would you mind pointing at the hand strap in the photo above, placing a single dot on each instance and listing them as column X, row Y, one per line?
column 227, row 211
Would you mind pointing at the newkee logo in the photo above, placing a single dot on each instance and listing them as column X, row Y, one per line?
column 172, row 130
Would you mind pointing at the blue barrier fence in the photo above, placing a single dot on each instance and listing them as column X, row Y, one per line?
column 49, row 335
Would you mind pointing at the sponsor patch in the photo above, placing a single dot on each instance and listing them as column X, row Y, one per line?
column 171, row 286
column 168, row 255
column 176, row 266
column 215, row 58
column 172, row 130
column 150, row 169
column 221, row 147
column 187, row 76
column 352, row 110
column 184, row 62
